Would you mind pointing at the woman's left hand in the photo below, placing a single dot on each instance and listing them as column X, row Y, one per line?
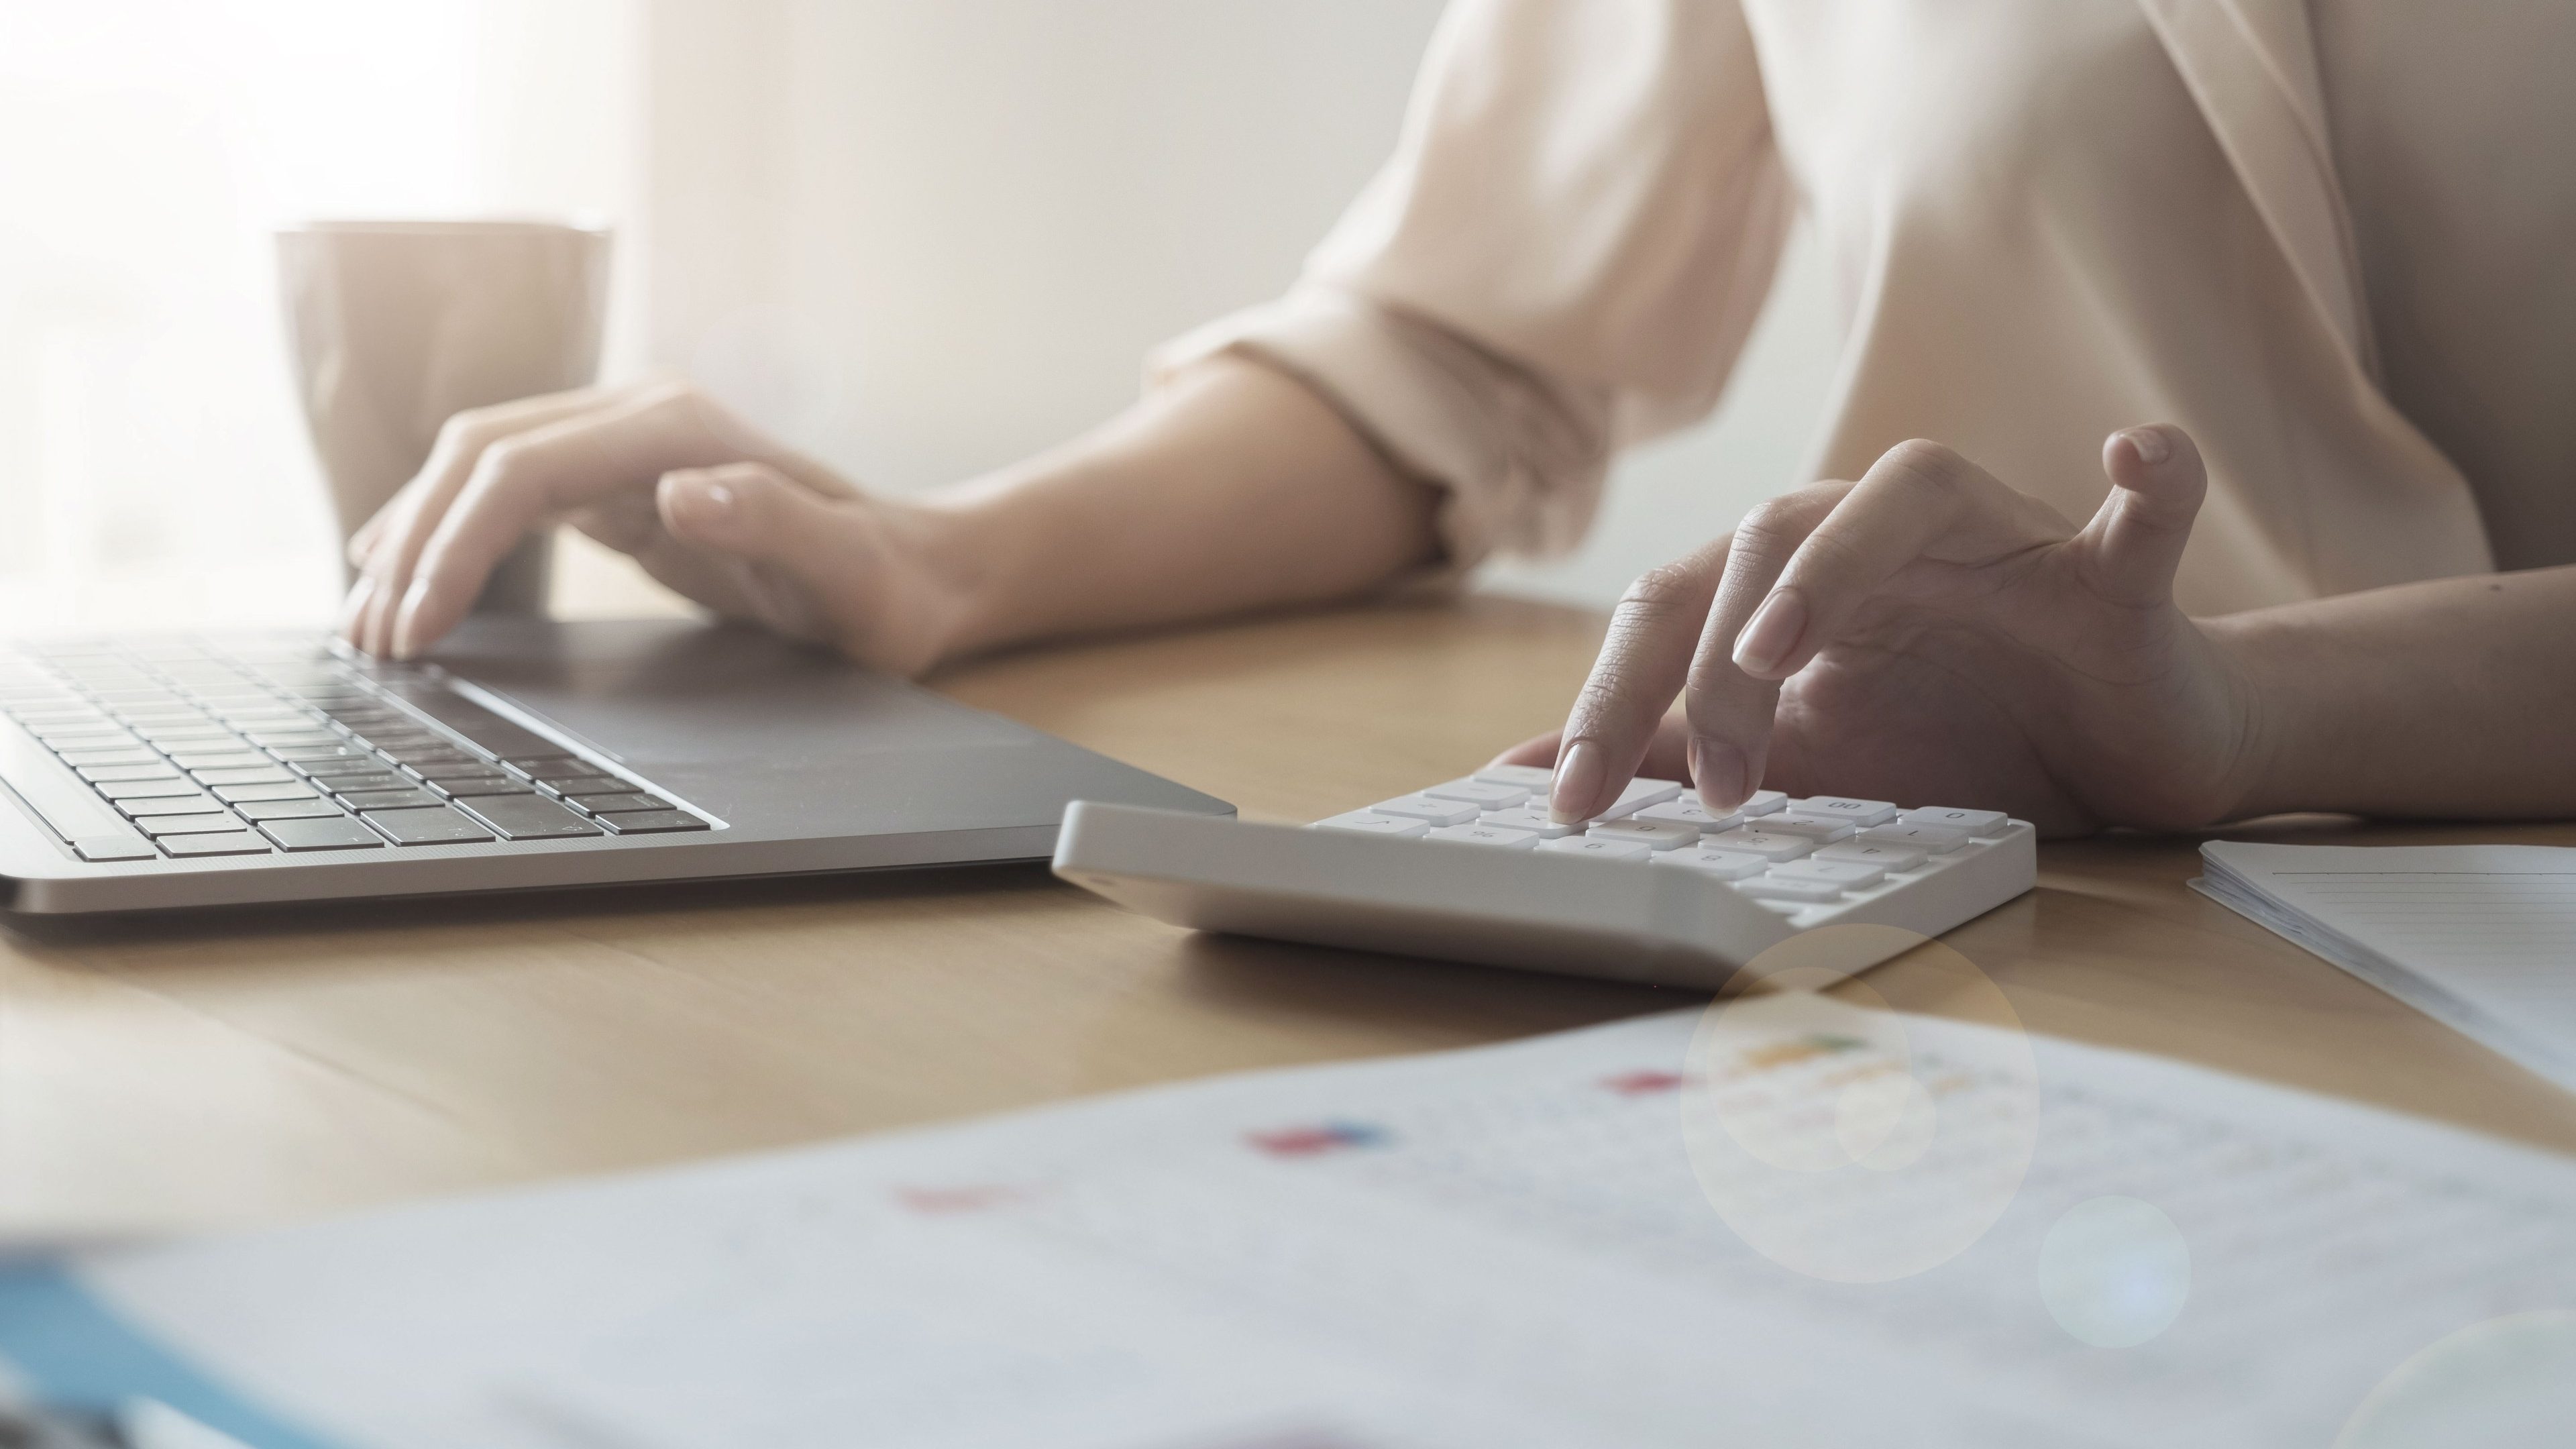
column 1928, row 635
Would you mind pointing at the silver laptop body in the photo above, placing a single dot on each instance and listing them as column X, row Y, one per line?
column 183, row 771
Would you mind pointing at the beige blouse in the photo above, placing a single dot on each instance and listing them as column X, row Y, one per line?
column 2339, row 247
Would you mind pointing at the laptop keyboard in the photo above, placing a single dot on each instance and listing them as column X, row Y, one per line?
column 210, row 752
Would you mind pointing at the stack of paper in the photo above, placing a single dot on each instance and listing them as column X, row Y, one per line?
column 2482, row 937
column 1668, row 1231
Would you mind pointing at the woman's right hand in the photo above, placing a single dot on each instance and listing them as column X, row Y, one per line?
column 706, row 504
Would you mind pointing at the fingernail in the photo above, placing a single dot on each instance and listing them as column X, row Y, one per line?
column 1772, row 632
column 353, row 610
column 1719, row 771
column 1578, row 781
column 707, row 502
column 2149, row 444
column 407, row 620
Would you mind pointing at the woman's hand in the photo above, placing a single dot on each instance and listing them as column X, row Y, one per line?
column 1931, row 636
column 661, row 472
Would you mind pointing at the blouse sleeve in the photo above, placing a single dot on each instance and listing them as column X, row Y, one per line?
column 1564, row 255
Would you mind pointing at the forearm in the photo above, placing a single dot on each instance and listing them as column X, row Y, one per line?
column 1234, row 488
column 2455, row 698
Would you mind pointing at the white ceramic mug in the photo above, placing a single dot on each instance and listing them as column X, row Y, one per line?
column 395, row 326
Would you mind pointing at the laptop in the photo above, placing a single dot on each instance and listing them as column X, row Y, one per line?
column 151, row 773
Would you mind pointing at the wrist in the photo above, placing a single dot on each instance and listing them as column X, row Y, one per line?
column 2261, row 778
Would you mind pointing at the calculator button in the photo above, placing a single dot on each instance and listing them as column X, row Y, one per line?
column 1428, row 810
column 1975, row 822
column 1369, row 822
column 1803, row 826
column 1688, row 811
column 1841, row 874
column 1480, row 794
column 1534, row 819
column 1599, row 848
column 1533, row 778
column 1760, row 844
column 1652, row 834
column 1765, row 802
column 1884, row 856
column 1931, row 839
column 1723, row 864
column 1486, row 835
column 1638, row 795
column 1855, row 813
column 1778, row 888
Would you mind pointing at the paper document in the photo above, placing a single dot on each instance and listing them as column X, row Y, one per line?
column 1668, row 1231
column 2482, row 937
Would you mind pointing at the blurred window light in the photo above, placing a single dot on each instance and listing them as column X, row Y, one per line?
column 153, row 467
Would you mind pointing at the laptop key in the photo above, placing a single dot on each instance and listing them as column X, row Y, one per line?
column 157, row 826
column 587, row 785
column 239, row 842
column 172, row 805
column 351, row 784
column 478, row 787
column 526, row 817
column 148, row 789
column 386, row 799
column 651, row 822
column 338, row 833
column 269, row 775
column 437, row 825
column 225, row 760
column 287, row 810
column 238, row 794
column 78, row 758
column 316, row 756
column 113, row 774
column 620, row 804
column 109, row 847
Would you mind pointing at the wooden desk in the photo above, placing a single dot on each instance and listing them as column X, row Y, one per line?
column 263, row 1066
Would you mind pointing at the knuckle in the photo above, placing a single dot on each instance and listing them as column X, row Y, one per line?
column 1937, row 467
column 1772, row 522
column 1663, row 589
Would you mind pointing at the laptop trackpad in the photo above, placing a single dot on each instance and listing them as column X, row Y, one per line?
column 670, row 695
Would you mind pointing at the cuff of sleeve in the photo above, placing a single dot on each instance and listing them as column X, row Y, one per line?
column 1520, row 461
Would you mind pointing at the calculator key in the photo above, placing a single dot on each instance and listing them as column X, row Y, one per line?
column 1369, row 822
column 620, row 804
column 386, row 799
column 270, row 775
column 240, row 793
column 1652, row 834
column 1843, row 874
column 239, row 842
column 1776, row 888
column 1882, row 855
column 1487, row 835
column 1855, row 813
column 339, row 832
column 1723, row 864
column 1765, row 802
column 651, row 822
column 1534, row 819
column 1428, row 810
column 1760, row 844
column 436, row 825
column 1690, row 812
column 1480, row 794
column 1931, row 839
column 1803, row 826
column 1533, row 778
column 1638, row 795
column 287, row 810
column 1599, row 848
column 158, row 826
column 528, row 817
column 1975, row 822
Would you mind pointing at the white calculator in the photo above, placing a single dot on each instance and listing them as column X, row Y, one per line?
column 1659, row 887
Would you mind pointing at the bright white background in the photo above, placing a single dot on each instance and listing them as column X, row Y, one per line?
column 919, row 239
